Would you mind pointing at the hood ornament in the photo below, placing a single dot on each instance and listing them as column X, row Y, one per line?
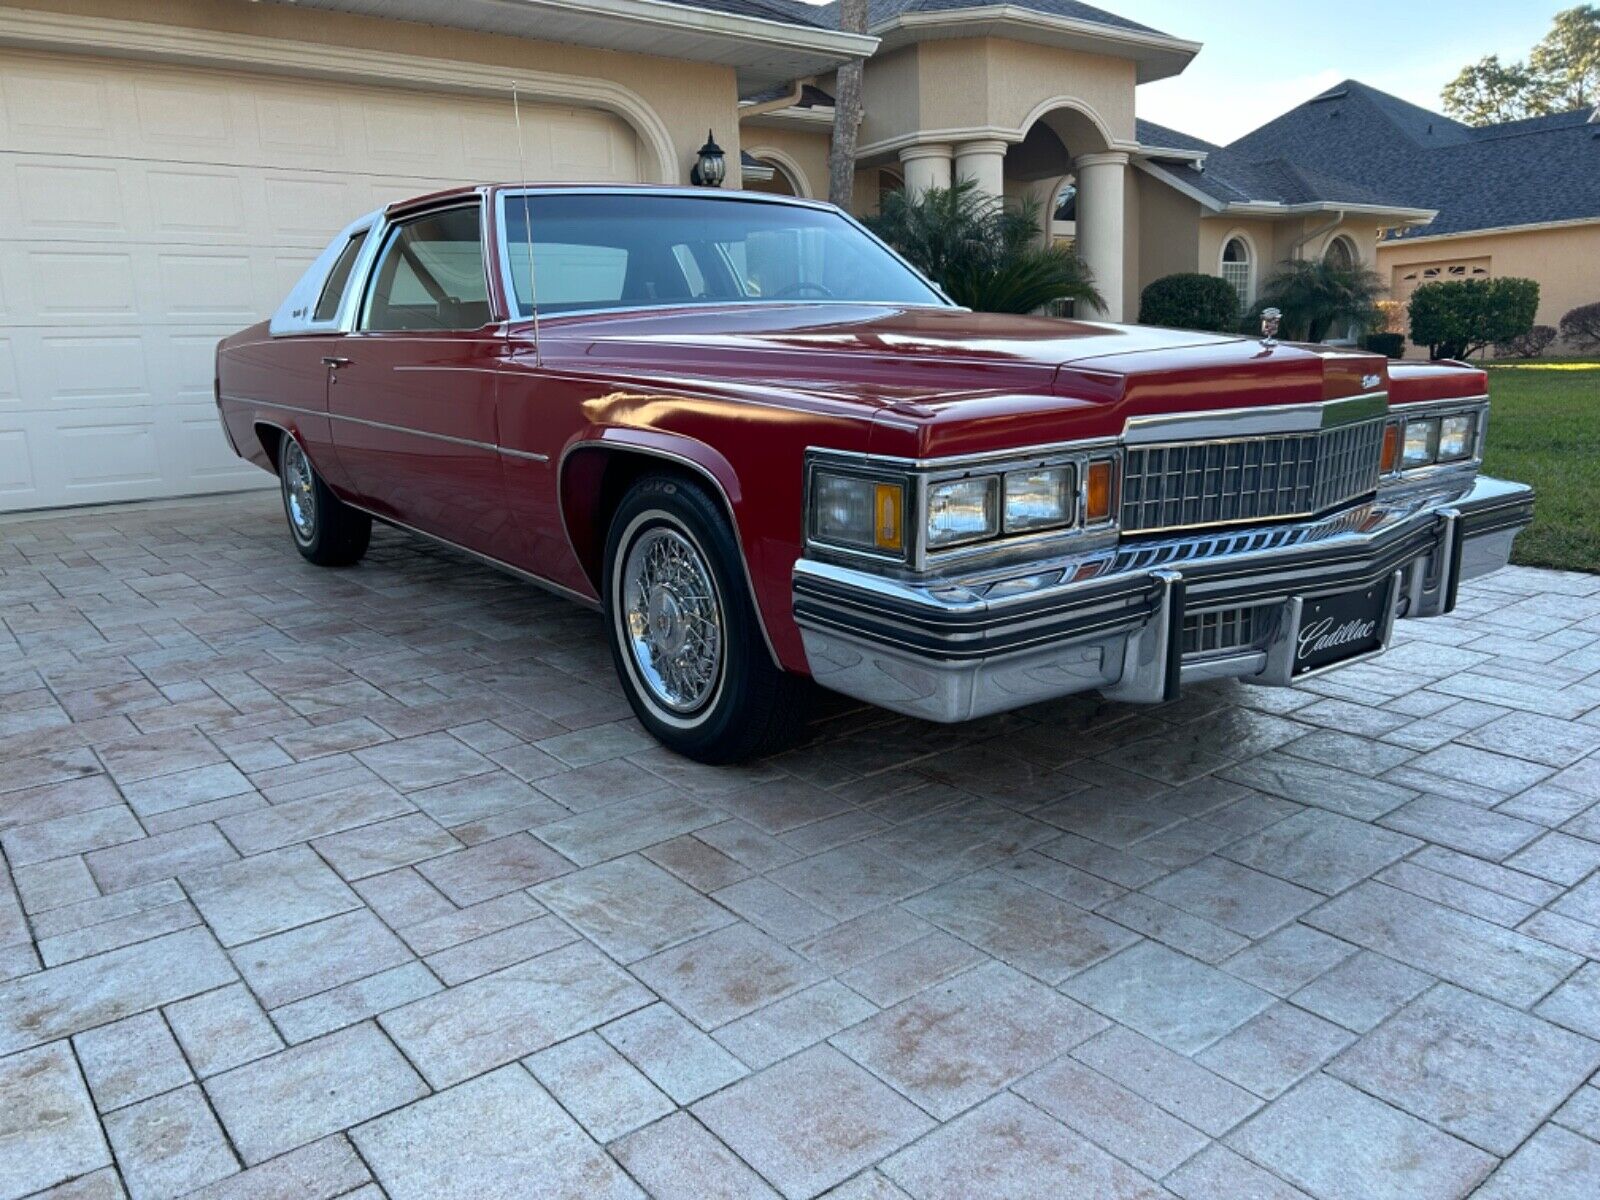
column 1270, row 319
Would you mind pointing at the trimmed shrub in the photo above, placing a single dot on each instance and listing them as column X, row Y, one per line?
column 1390, row 345
column 1459, row 318
column 1581, row 326
column 1190, row 301
column 1530, row 345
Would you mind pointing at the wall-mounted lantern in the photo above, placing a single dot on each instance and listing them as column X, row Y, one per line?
column 710, row 166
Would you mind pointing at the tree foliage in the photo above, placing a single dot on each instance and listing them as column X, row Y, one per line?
column 1568, row 58
column 1317, row 298
column 1190, row 301
column 1458, row 318
column 1560, row 74
column 984, row 254
column 1581, row 326
column 1490, row 92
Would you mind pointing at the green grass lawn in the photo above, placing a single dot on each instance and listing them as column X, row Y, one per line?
column 1544, row 429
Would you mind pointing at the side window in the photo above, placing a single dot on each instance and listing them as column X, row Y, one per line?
column 333, row 290
column 430, row 275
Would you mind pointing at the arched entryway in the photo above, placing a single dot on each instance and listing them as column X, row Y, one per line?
column 772, row 171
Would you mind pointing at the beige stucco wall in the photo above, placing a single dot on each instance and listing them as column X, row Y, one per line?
column 686, row 97
column 1168, row 231
column 992, row 84
column 1565, row 260
column 802, row 151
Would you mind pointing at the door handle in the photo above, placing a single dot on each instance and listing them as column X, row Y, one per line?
column 333, row 360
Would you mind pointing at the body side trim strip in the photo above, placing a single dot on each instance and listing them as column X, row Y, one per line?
column 422, row 433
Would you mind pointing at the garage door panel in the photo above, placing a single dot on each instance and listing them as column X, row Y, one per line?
column 47, row 105
column 17, row 487
column 154, row 209
column 208, row 202
column 68, row 197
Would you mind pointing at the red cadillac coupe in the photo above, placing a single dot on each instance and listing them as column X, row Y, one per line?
column 767, row 449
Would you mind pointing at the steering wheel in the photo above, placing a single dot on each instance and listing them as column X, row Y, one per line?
column 795, row 290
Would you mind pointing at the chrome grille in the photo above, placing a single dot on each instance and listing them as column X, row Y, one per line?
column 1190, row 484
column 1224, row 630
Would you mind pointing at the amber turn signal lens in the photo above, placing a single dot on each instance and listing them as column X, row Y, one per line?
column 1391, row 446
column 1097, row 499
column 886, row 503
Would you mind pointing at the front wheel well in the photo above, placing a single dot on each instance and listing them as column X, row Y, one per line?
column 594, row 479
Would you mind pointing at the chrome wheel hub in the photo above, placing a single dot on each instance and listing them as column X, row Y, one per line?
column 299, row 493
column 672, row 619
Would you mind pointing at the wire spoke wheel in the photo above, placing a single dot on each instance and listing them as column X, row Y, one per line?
column 672, row 616
column 299, row 491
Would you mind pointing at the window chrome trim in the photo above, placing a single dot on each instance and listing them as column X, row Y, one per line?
column 514, row 308
column 355, row 320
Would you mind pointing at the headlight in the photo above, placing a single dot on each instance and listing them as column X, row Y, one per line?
column 1039, row 499
column 1422, row 443
column 1455, row 437
column 849, row 510
column 963, row 510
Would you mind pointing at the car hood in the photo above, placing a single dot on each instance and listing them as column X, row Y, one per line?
column 954, row 381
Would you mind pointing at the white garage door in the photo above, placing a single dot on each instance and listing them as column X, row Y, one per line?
column 147, row 210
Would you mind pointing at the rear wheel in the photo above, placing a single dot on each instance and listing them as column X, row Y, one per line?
column 325, row 529
column 683, row 629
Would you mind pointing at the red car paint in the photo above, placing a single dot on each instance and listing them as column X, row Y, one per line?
column 736, row 393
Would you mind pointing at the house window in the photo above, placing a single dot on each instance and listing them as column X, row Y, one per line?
column 1341, row 254
column 1238, row 268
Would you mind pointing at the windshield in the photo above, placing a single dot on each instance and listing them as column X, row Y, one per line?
column 633, row 250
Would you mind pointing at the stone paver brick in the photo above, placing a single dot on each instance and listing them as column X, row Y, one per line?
column 849, row 1121
column 1443, row 1058
column 679, row 1159
column 1008, row 1150
column 130, row 1060
column 955, row 1044
column 306, row 1092
column 222, row 1029
column 47, row 1123
column 607, row 1095
column 387, row 854
column 679, row 1059
column 488, row 1139
column 169, row 1145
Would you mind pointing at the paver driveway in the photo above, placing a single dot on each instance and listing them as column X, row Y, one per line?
column 323, row 883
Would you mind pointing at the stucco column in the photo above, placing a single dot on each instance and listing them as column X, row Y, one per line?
column 926, row 165
column 1100, row 225
column 983, row 162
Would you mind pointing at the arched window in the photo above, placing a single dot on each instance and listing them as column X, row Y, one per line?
column 1341, row 253
column 1238, row 268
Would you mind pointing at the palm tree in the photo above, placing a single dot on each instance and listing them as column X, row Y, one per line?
column 985, row 255
column 1316, row 296
column 846, row 112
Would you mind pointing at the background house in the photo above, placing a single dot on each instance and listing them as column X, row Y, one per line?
column 170, row 166
column 1521, row 198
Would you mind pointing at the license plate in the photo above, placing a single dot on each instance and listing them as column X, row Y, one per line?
column 1344, row 625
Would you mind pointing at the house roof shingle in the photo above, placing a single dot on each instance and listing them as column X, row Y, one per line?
column 1520, row 173
column 883, row 10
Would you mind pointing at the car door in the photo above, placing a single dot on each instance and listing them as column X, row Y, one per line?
column 412, row 389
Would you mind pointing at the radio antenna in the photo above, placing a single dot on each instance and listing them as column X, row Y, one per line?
column 527, row 226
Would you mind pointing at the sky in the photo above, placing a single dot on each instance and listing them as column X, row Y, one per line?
column 1260, row 58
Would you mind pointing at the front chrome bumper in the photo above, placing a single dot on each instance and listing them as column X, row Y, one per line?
column 1112, row 619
